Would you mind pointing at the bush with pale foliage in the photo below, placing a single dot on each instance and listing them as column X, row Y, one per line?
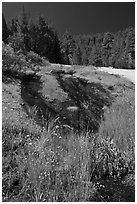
column 17, row 61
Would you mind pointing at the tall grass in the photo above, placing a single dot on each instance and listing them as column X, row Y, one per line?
column 119, row 123
column 44, row 164
column 117, row 129
column 41, row 165
column 43, row 170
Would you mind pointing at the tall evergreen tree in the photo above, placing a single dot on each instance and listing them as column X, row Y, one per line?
column 17, row 39
column 33, row 35
column 13, row 26
column 5, row 32
column 47, row 42
column 23, row 23
column 106, row 48
column 116, row 49
column 56, row 58
column 130, row 48
column 67, row 47
column 95, row 58
column 77, row 57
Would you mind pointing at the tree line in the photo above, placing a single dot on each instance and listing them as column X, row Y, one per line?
column 101, row 49
column 23, row 34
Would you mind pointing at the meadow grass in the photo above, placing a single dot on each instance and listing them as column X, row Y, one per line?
column 41, row 164
column 118, row 122
column 40, row 170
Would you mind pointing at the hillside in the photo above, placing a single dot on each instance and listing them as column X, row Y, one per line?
column 49, row 117
column 68, row 104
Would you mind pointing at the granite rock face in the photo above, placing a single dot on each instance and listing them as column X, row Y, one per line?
column 53, row 95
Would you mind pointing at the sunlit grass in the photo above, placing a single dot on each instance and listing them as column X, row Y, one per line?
column 41, row 164
column 53, row 174
column 119, row 122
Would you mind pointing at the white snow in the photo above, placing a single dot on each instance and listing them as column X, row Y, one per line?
column 127, row 73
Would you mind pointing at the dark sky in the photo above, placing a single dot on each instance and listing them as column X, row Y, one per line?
column 78, row 17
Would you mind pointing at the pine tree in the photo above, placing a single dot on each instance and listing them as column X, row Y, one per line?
column 17, row 40
column 95, row 58
column 19, row 35
column 13, row 26
column 47, row 42
column 67, row 47
column 5, row 32
column 130, row 48
column 56, row 58
column 77, row 57
column 116, row 49
column 126, row 55
column 33, row 35
column 23, row 23
column 44, row 39
column 106, row 48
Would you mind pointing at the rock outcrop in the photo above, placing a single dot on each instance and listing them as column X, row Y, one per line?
column 51, row 96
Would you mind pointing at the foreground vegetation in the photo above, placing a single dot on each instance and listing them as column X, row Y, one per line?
column 45, row 164
column 41, row 165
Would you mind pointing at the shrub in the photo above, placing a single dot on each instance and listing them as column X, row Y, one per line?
column 113, row 172
column 8, row 57
column 12, row 60
column 45, row 61
column 115, row 161
column 34, row 58
column 17, row 61
column 17, row 42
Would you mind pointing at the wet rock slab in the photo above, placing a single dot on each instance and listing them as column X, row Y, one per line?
column 54, row 96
